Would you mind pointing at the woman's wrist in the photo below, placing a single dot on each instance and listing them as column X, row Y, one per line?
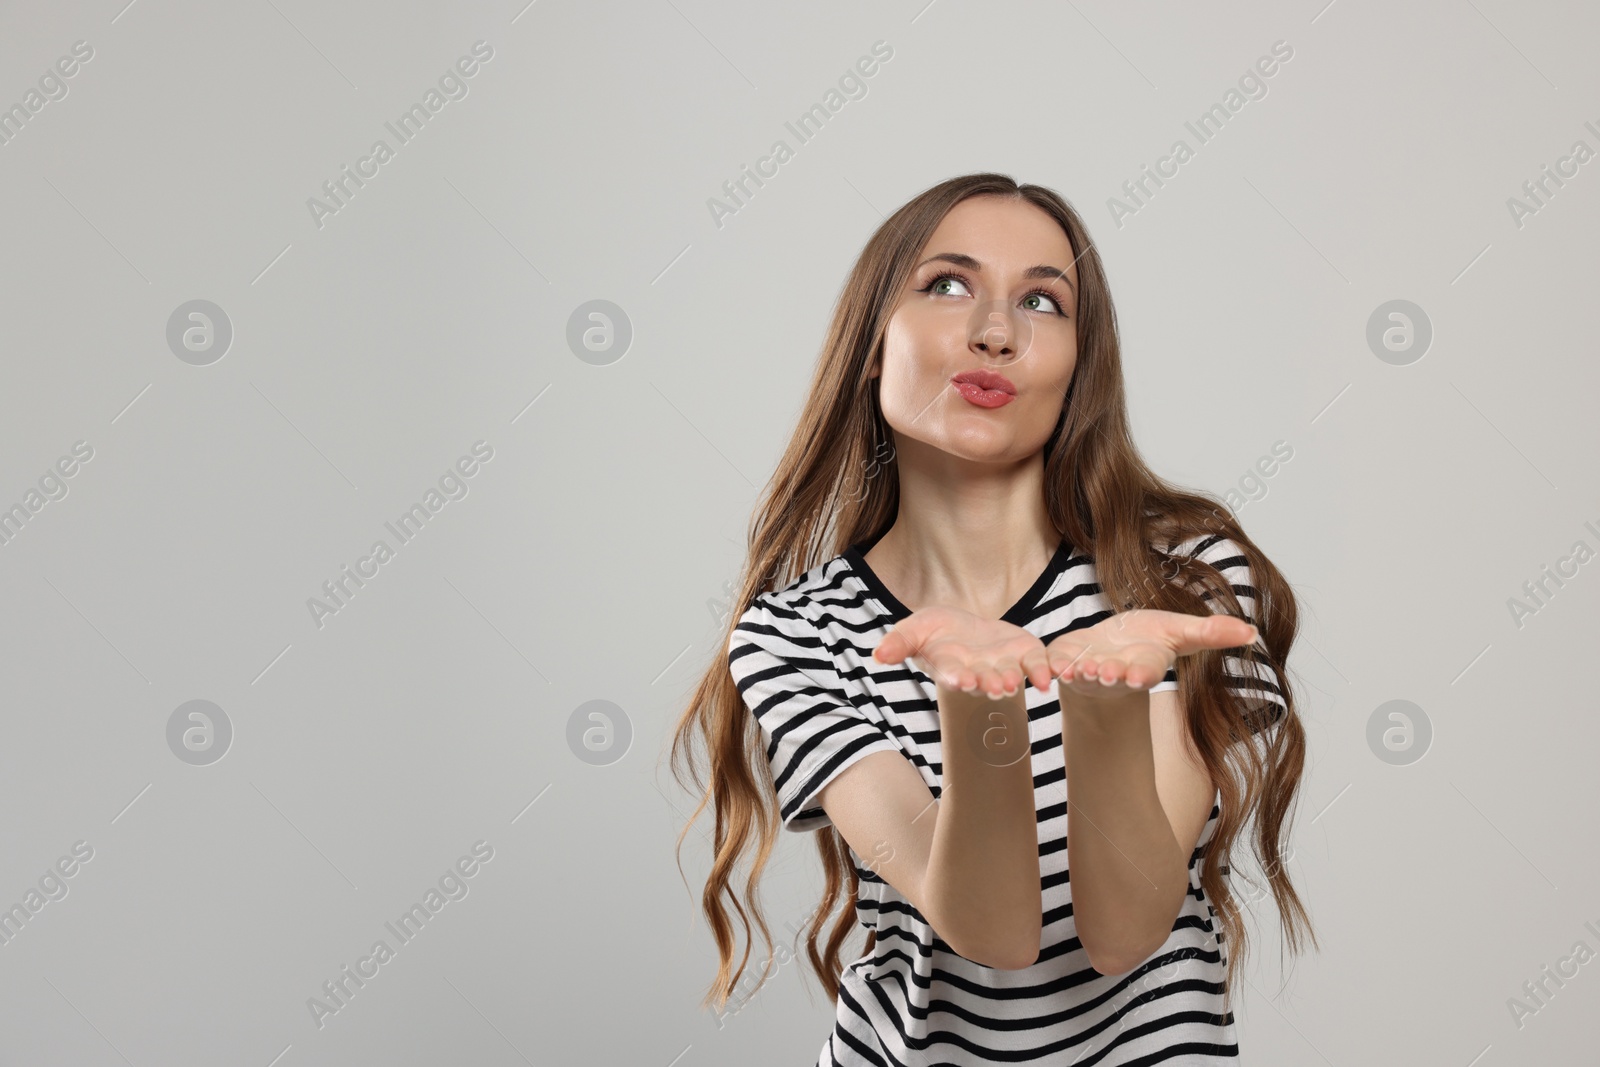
column 1104, row 714
column 976, row 700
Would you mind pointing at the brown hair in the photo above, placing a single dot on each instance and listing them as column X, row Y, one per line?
column 1101, row 497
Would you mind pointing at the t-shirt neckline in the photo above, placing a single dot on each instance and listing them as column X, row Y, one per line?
column 1018, row 614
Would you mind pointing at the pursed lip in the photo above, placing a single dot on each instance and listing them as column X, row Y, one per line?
column 986, row 379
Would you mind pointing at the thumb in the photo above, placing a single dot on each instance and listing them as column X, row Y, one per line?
column 893, row 648
column 904, row 639
column 1215, row 631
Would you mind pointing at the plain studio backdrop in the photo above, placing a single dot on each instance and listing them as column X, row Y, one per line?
column 541, row 317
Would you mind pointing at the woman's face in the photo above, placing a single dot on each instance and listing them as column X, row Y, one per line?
column 994, row 290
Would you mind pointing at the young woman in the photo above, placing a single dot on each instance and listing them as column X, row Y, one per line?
column 973, row 628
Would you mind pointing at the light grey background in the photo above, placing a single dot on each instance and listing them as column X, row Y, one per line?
column 588, row 558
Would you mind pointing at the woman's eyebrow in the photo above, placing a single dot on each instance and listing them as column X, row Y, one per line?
column 961, row 259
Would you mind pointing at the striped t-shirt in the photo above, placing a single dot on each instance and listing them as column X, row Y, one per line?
column 802, row 658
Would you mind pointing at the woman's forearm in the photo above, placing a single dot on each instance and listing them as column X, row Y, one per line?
column 1128, row 871
column 982, row 882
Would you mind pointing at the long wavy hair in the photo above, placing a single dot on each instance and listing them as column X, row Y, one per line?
column 1101, row 497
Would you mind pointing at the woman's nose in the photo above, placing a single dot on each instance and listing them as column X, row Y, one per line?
column 994, row 332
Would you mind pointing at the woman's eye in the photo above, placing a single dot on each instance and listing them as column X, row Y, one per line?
column 944, row 280
column 1054, row 308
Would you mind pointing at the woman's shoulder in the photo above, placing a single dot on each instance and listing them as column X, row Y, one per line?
column 1207, row 545
column 804, row 601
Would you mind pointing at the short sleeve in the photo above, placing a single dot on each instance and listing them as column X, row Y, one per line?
column 1254, row 680
column 811, row 729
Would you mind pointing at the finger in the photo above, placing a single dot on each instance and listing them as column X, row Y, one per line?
column 1036, row 664
column 1090, row 688
column 953, row 672
column 1073, row 668
column 1111, row 671
column 961, row 681
column 1063, row 655
column 893, row 648
column 1141, row 675
column 1145, row 666
column 1213, row 631
column 1088, row 665
column 996, row 683
column 988, row 678
column 904, row 639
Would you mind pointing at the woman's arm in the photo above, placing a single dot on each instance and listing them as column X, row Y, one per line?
column 1137, row 800
column 1138, row 795
column 969, row 862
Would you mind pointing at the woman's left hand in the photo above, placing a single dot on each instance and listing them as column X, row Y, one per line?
column 1132, row 651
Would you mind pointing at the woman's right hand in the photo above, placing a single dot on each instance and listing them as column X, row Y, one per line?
column 966, row 652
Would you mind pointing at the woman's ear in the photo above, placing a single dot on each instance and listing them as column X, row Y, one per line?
column 875, row 361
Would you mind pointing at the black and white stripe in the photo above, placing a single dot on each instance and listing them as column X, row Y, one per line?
column 802, row 658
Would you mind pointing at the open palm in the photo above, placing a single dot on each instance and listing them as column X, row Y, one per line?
column 1132, row 651
column 968, row 652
